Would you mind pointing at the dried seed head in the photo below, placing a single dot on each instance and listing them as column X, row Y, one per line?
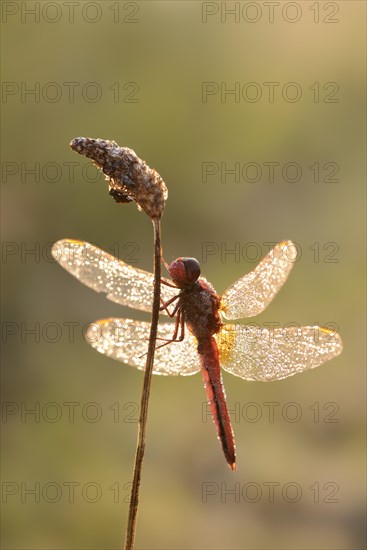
column 130, row 178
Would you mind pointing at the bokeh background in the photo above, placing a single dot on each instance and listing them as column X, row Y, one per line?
column 137, row 70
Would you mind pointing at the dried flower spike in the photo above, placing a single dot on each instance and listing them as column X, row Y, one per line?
column 130, row 178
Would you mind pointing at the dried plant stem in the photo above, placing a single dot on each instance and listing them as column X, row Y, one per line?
column 139, row 456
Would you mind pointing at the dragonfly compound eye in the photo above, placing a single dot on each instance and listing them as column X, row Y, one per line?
column 184, row 271
column 192, row 268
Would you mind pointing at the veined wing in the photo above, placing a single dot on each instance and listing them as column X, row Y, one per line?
column 122, row 283
column 256, row 353
column 251, row 294
column 126, row 340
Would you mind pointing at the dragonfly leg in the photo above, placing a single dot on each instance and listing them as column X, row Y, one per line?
column 165, row 304
column 165, row 264
column 166, row 283
column 180, row 324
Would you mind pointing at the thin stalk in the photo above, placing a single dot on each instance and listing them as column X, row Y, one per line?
column 139, row 456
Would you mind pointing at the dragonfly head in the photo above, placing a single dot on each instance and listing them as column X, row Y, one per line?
column 184, row 271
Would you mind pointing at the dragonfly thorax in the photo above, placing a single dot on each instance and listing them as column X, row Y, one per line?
column 200, row 304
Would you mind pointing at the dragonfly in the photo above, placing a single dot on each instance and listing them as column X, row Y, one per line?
column 248, row 351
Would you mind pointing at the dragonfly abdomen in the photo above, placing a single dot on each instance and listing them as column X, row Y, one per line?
column 210, row 369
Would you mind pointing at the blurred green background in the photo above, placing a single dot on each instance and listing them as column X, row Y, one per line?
column 156, row 57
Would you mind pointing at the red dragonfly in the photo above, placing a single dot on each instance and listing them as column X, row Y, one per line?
column 247, row 351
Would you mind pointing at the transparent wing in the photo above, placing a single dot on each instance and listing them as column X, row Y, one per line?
column 126, row 340
column 251, row 294
column 122, row 283
column 256, row 353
